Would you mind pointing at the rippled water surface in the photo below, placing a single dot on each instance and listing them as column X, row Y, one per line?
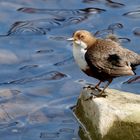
column 39, row 80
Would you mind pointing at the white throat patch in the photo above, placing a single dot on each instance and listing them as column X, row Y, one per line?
column 79, row 50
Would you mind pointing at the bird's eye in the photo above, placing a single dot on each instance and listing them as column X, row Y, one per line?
column 81, row 36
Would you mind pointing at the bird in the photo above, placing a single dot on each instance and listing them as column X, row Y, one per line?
column 103, row 59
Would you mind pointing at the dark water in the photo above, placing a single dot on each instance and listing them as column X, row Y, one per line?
column 39, row 80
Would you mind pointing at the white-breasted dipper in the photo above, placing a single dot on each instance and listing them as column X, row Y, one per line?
column 103, row 59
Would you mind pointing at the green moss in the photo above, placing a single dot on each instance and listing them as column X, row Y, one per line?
column 86, row 122
column 123, row 131
column 82, row 134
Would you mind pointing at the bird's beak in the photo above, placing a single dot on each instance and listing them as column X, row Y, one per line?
column 70, row 39
column 74, row 40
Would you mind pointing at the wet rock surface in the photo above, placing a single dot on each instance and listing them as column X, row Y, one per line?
column 114, row 117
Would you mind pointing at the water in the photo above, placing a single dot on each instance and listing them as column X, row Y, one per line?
column 39, row 78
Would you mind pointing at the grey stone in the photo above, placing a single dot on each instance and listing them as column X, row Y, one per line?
column 116, row 117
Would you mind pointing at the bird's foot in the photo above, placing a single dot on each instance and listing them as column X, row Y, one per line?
column 89, row 98
column 93, row 95
column 102, row 94
column 89, row 86
column 92, row 87
column 96, row 87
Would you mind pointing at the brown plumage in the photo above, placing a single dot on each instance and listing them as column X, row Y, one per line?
column 103, row 59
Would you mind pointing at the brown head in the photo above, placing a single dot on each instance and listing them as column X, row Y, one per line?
column 84, row 36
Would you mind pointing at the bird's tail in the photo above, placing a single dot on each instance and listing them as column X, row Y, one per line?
column 136, row 61
column 133, row 57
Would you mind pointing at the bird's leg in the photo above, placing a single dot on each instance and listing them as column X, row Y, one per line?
column 102, row 94
column 93, row 88
column 97, row 86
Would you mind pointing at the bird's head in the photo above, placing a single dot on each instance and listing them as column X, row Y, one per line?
column 83, row 39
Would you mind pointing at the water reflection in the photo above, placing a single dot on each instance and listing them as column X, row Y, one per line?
column 136, row 31
column 135, row 79
column 114, row 4
column 61, row 12
column 115, row 26
column 133, row 14
column 42, row 26
column 52, row 75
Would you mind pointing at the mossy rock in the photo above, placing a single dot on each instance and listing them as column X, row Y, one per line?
column 116, row 117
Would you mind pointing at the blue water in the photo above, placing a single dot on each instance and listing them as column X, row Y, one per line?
column 39, row 80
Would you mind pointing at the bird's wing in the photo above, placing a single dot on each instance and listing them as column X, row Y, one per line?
column 108, row 57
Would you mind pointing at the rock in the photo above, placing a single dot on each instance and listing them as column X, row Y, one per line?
column 116, row 117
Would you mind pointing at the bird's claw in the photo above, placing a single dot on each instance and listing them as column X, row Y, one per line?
column 93, row 95
column 92, row 87
column 90, row 98
column 101, row 95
